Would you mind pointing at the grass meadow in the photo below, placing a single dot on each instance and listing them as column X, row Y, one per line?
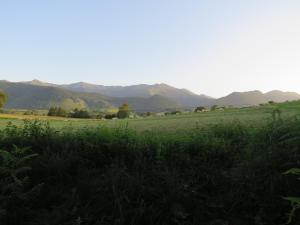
column 166, row 124
column 215, row 168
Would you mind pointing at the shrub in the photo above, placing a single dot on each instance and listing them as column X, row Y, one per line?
column 150, row 114
column 124, row 111
column 200, row 109
column 79, row 114
column 214, row 108
column 110, row 116
column 57, row 111
column 294, row 201
column 271, row 102
column 176, row 112
column 3, row 99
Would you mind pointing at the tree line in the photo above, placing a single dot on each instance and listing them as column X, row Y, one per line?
column 123, row 112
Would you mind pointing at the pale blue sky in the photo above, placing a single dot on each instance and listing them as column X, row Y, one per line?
column 208, row 46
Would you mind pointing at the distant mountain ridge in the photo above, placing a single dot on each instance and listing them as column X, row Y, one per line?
column 255, row 98
column 36, row 94
column 27, row 96
column 182, row 97
column 280, row 96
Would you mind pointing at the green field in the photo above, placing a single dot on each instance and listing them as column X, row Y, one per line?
column 172, row 123
column 230, row 171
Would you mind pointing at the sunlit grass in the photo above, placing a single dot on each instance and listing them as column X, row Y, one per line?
column 173, row 123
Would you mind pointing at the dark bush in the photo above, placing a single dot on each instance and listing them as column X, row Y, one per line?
column 110, row 116
column 79, row 114
column 57, row 111
column 200, row 109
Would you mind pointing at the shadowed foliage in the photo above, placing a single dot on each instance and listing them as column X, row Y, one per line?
column 3, row 99
column 221, row 174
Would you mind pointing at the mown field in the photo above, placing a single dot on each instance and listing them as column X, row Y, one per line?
column 171, row 123
column 227, row 170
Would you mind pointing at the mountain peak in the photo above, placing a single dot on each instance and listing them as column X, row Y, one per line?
column 80, row 83
column 36, row 81
column 280, row 96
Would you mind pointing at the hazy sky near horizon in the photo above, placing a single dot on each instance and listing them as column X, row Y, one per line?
column 208, row 46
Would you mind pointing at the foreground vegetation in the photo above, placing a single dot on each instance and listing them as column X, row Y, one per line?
column 224, row 173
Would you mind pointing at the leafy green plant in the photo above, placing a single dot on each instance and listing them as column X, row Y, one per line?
column 294, row 201
column 13, row 166
column 14, row 181
column 276, row 115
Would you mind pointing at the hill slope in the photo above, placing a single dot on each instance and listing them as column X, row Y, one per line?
column 157, row 97
column 28, row 96
column 242, row 98
column 182, row 97
column 280, row 96
column 256, row 98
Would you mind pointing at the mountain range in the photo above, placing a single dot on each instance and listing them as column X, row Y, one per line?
column 36, row 94
column 183, row 97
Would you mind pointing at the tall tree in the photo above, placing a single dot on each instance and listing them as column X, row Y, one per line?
column 124, row 111
column 3, row 99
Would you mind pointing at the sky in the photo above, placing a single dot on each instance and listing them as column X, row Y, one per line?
column 211, row 47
